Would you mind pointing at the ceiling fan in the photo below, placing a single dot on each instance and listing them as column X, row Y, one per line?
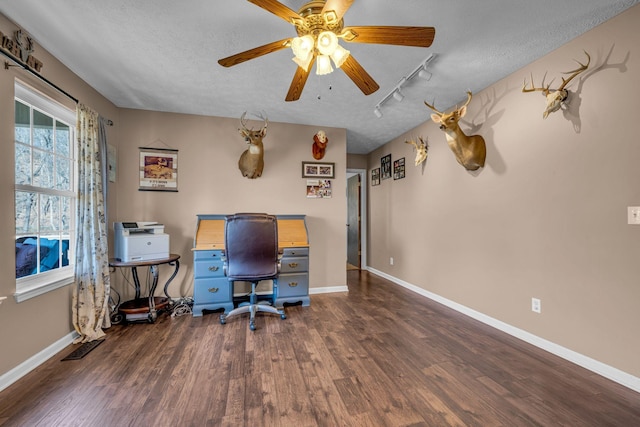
column 319, row 25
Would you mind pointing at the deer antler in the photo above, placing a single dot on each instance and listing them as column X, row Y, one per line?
column 243, row 121
column 433, row 108
column 469, row 95
column 576, row 71
column 545, row 90
column 548, row 89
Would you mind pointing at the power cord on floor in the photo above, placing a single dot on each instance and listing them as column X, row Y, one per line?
column 182, row 306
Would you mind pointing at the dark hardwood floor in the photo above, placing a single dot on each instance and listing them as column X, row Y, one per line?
column 377, row 356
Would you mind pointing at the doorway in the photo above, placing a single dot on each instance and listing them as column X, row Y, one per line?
column 356, row 192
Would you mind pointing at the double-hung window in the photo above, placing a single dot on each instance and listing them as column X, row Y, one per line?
column 45, row 193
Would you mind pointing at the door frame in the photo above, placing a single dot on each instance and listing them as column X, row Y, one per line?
column 363, row 214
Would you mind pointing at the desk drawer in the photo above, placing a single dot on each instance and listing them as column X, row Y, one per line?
column 208, row 268
column 289, row 252
column 294, row 264
column 212, row 254
column 211, row 290
column 293, row 285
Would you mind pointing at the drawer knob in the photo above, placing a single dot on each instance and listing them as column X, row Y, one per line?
column 213, row 268
column 293, row 264
column 213, row 290
column 293, row 284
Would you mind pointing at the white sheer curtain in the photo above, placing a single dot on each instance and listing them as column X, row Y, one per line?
column 93, row 284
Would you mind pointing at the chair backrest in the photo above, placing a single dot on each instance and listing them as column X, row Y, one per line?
column 251, row 246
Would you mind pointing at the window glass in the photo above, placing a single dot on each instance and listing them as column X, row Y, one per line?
column 44, row 190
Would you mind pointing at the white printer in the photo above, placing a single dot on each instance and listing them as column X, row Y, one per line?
column 140, row 241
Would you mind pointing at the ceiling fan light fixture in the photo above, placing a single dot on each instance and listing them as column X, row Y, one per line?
column 330, row 17
column 339, row 56
column 323, row 65
column 303, row 63
column 327, row 42
column 302, row 46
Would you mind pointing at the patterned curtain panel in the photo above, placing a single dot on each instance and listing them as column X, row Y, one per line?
column 93, row 284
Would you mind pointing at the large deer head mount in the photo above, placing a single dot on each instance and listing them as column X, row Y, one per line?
column 470, row 151
column 556, row 98
column 251, row 161
column 421, row 149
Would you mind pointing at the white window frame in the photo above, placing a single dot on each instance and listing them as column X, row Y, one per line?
column 37, row 284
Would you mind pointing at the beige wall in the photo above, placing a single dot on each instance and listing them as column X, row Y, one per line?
column 209, row 182
column 31, row 326
column 356, row 161
column 546, row 218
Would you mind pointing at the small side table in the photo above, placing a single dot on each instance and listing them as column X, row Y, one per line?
column 146, row 308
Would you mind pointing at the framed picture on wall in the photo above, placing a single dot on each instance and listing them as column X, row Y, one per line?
column 385, row 166
column 375, row 176
column 318, row 170
column 398, row 169
column 158, row 169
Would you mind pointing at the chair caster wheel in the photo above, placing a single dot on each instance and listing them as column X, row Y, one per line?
column 223, row 319
column 283, row 316
column 252, row 326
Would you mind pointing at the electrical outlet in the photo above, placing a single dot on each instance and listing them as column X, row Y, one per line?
column 633, row 215
column 536, row 305
column 391, row 261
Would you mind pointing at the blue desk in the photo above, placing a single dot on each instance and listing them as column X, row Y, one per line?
column 211, row 288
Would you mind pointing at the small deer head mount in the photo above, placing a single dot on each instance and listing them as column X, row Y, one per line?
column 556, row 97
column 320, row 142
column 470, row 151
column 251, row 161
column 421, row 149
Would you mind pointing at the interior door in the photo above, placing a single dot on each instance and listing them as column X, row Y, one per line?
column 353, row 221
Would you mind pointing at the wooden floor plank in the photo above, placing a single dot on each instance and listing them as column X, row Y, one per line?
column 376, row 356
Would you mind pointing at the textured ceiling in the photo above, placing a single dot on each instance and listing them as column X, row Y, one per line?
column 162, row 55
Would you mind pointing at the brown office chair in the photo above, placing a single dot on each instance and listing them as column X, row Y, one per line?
column 251, row 255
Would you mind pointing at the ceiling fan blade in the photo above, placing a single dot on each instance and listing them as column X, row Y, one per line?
column 360, row 77
column 298, row 82
column 340, row 7
column 277, row 9
column 241, row 57
column 401, row 36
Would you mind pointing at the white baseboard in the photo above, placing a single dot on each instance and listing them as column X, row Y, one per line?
column 593, row 365
column 36, row 360
column 328, row 290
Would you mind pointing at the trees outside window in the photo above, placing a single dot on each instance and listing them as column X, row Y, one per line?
column 45, row 190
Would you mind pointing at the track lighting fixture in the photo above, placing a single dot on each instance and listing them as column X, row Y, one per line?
column 396, row 93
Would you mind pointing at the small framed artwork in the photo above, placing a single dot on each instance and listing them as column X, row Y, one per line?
column 158, row 169
column 375, row 176
column 385, row 166
column 319, row 189
column 318, row 170
column 398, row 169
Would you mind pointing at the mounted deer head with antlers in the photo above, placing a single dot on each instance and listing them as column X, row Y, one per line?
column 251, row 161
column 556, row 97
column 470, row 151
column 421, row 149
